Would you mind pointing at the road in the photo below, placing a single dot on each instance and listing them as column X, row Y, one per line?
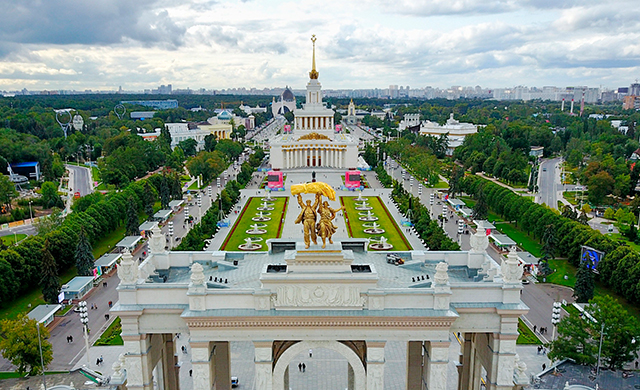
column 80, row 180
column 549, row 184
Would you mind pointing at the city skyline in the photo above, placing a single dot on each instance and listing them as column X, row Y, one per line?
column 73, row 45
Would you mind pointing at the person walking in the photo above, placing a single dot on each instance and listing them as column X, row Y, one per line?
column 310, row 353
column 304, row 367
column 300, row 366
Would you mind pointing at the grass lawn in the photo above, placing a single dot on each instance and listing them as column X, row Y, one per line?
column 13, row 374
column 524, row 240
column 570, row 196
column 356, row 229
column 526, row 336
column 108, row 242
column 441, row 184
column 620, row 237
column 12, row 239
column 21, row 304
column 111, row 335
column 274, row 230
column 493, row 217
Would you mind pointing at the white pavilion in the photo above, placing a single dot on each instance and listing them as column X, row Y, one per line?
column 314, row 141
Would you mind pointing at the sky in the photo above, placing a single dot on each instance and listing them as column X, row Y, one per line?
column 216, row 44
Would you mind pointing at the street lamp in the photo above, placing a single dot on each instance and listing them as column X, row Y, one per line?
column 555, row 318
column 84, row 319
column 30, row 211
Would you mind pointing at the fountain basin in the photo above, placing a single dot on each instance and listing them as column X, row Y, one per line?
column 249, row 247
column 368, row 218
column 261, row 219
column 256, row 231
column 374, row 231
column 378, row 246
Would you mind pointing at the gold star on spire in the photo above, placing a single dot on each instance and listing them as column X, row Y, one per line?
column 314, row 73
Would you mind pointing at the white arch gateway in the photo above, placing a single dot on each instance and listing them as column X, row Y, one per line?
column 342, row 298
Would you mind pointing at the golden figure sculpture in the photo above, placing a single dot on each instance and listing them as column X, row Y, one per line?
column 325, row 227
column 308, row 218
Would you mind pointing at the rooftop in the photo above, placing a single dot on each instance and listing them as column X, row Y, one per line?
column 42, row 312
column 247, row 273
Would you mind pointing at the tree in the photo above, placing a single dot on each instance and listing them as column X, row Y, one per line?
column 7, row 191
column 149, row 198
column 164, row 193
column 579, row 336
column 50, row 197
column 50, row 223
column 548, row 242
column 132, row 217
column 480, row 209
column 600, row 185
column 585, row 285
column 188, row 146
column 457, row 173
column 49, row 279
column 210, row 143
column 575, row 341
column 84, row 255
column 620, row 328
column 19, row 344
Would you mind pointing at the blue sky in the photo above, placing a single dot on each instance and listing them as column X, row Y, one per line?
column 101, row 45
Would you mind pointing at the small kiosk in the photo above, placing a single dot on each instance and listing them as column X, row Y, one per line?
column 44, row 314
column 77, row 288
column 107, row 263
column 275, row 180
column 352, row 180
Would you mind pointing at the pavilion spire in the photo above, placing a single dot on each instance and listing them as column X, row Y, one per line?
column 314, row 73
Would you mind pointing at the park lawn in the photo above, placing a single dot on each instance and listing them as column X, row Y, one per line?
column 562, row 267
column 526, row 336
column 441, row 184
column 21, row 305
column 108, row 242
column 237, row 234
column 492, row 216
column 12, row 239
column 111, row 336
column 620, row 237
column 570, row 196
column 355, row 226
column 15, row 374
column 524, row 240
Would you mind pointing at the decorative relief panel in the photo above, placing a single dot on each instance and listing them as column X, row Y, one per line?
column 317, row 296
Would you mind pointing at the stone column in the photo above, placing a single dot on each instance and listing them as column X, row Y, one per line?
column 137, row 360
column 436, row 364
column 222, row 364
column 203, row 370
column 350, row 378
column 171, row 370
column 477, row 371
column 465, row 373
column 263, row 363
column 503, row 352
column 375, row 365
column 286, row 378
column 414, row 365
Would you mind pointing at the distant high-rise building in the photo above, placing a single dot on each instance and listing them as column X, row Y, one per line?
column 634, row 89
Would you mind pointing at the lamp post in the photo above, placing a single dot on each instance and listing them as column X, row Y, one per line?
column 555, row 318
column 44, row 381
column 31, row 212
column 84, row 319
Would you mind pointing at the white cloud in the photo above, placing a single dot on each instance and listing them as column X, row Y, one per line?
column 221, row 44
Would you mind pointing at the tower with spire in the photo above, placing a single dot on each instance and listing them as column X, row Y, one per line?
column 314, row 142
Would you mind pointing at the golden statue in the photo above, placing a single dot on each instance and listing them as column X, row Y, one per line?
column 308, row 218
column 325, row 227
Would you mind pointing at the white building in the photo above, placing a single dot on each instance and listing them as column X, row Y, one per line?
column 286, row 103
column 342, row 298
column 183, row 131
column 456, row 131
column 314, row 142
column 410, row 120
